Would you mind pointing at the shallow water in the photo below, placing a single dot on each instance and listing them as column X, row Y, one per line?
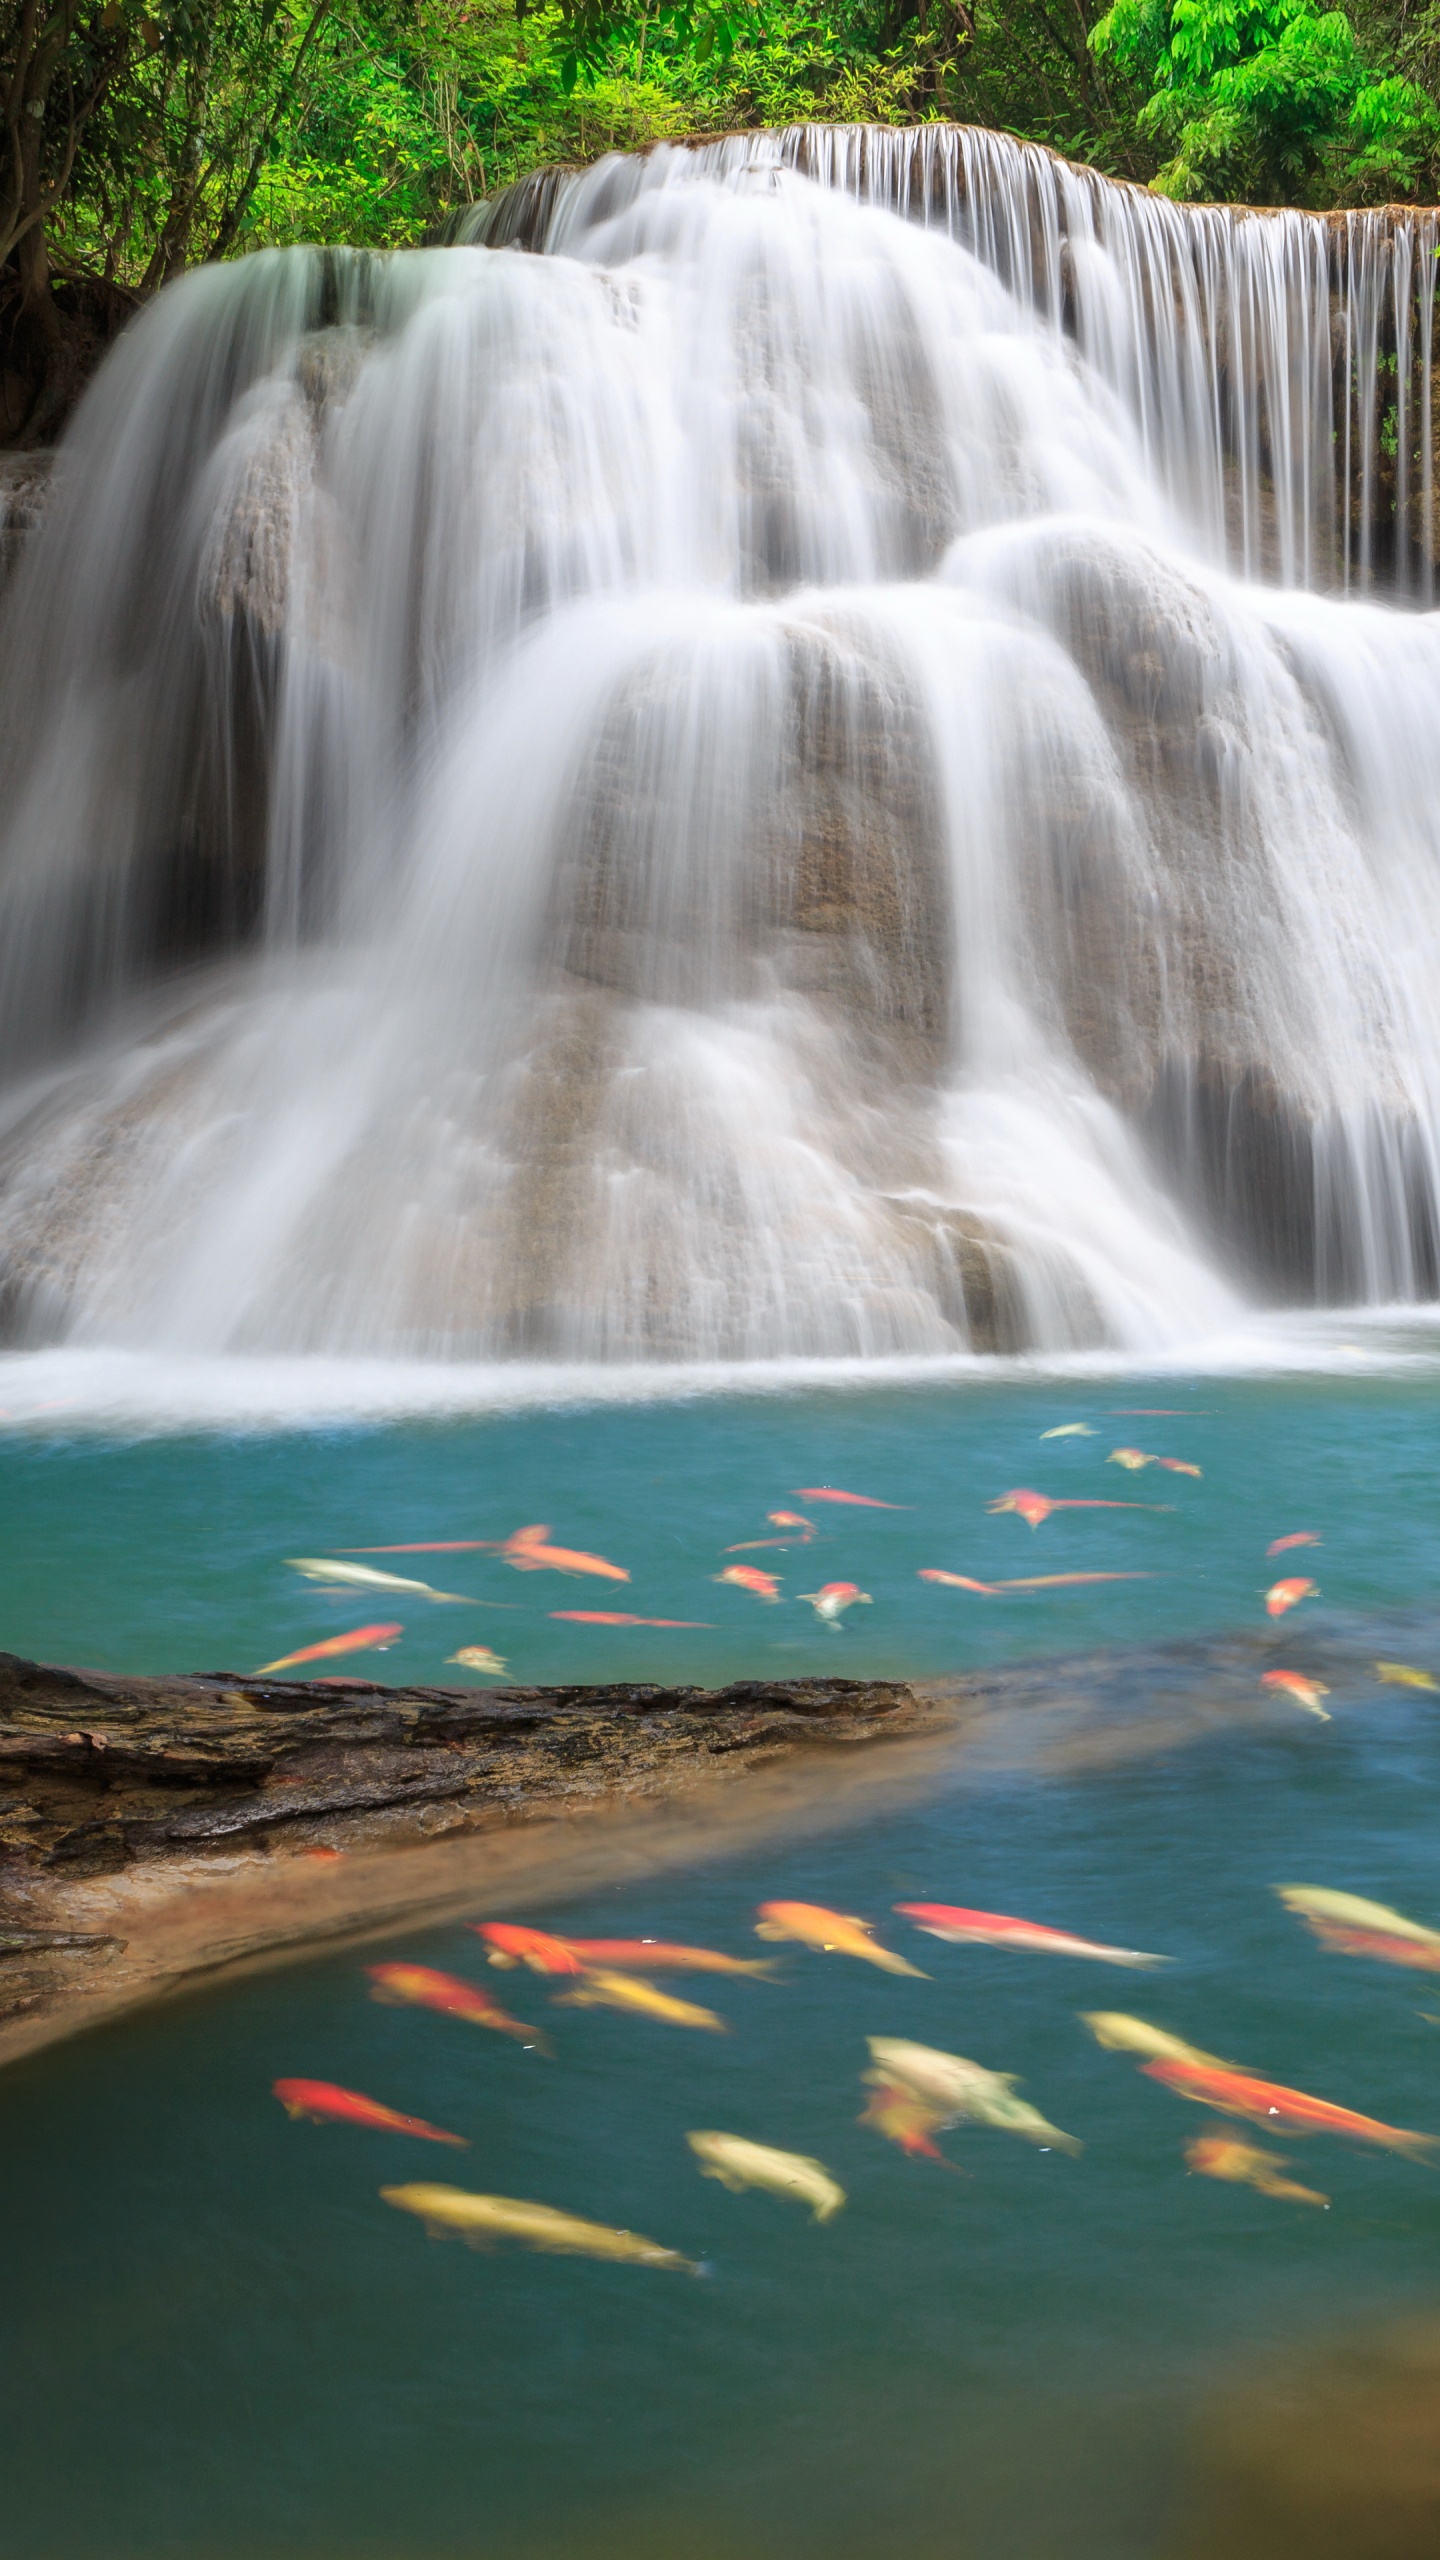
column 219, row 2341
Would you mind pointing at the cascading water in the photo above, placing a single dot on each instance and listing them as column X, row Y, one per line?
column 732, row 788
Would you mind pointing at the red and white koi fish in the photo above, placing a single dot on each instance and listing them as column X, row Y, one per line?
column 1266, row 2102
column 831, row 1933
column 832, row 1600
column 529, row 1551
column 1284, row 1595
column 1350, row 1926
column 321, row 2102
column 962, row 1928
column 1306, row 1693
column 512, row 1945
column 359, row 1640
column 620, row 1618
column 1219, row 2155
column 831, row 1493
column 419, row 1986
column 751, row 1577
column 1297, row 1538
column 1023, row 1582
column 1035, row 1507
column 480, row 1657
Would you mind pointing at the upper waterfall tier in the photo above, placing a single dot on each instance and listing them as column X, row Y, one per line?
column 733, row 787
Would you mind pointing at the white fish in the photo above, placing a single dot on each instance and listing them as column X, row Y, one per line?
column 367, row 1577
column 965, row 2091
column 739, row 2164
column 1069, row 1431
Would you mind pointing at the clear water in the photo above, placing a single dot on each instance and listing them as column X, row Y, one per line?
column 218, row 2341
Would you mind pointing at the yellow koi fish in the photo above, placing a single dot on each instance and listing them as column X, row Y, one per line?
column 482, row 2220
column 480, row 1657
column 1219, row 2155
column 1400, row 1675
column 831, row 1933
column 1119, row 2033
column 1350, row 1926
column 598, row 1988
column 964, row 2091
column 739, row 2164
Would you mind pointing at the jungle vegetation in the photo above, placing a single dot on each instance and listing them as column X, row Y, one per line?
column 142, row 136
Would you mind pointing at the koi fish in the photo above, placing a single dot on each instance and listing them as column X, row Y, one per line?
column 1265, row 2102
column 1035, row 1507
column 418, row 1986
column 359, row 1640
column 1024, row 1582
column 1349, row 1926
column 528, row 1551
column 790, row 1520
column 1134, row 1459
column 601, row 1988
column 1069, row 1431
column 545, row 1954
column 751, row 1577
column 509, row 1944
column 830, row 1933
column 739, row 2164
column 1121, row 2034
column 904, row 2119
column 480, row 1657
column 1284, row 1595
column 1400, row 1676
column 832, row 1600
column 1218, row 2155
column 366, row 1577
column 481, row 2220
column 620, row 1618
column 1297, row 1538
column 1179, row 1467
column 777, row 1520
column 322, row 2103
column 964, row 2091
column 1306, row 1693
column 961, row 1928
column 829, row 1493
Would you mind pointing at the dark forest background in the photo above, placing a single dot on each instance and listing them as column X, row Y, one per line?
column 142, row 136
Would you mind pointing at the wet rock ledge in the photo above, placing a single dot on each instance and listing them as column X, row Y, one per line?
column 154, row 1828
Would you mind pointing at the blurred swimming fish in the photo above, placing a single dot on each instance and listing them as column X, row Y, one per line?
column 1119, row 2033
column 1266, row 2102
column 358, row 1640
column 831, row 1933
column 481, row 2220
column 1218, row 2155
column 1350, row 1926
column 1284, row 1595
column 1297, row 1538
column 419, row 1986
column 529, row 1551
column 544, row 1954
column 1179, row 1467
column 961, row 1928
column 1134, row 1459
column 480, row 1657
column 832, row 1600
column 790, row 1520
column 1306, row 1693
column 830, row 1493
column 509, row 1943
column 600, row 1987
column 323, row 2103
column 965, row 2091
column 739, row 2164
column 1401, row 1675
column 367, row 1577
column 751, row 1577
column 777, row 1520
column 1035, row 1507
column 907, row 2121
column 620, row 1618
column 1023, row 1582
column 1069, row 1431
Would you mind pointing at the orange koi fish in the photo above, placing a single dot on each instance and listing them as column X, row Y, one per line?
column 1306, row 1693
column 1218, row 2155
column 509, row 1944
column 1024, row 1582
column 832, row 1600
column 961, row 1928
column 830, row 1493
column 1179, row 1467
column 418, row 1986
column 1297, row 1538
column 1035, row 1507
column 904, row 2120
column 620, row 1618
column 1349, row 1926
column 512, row 1945
column 1284, row 1595
column 321, row 2102
column 359, row 1639
column 1266, row 2102
column 528, row 1551
column 751, row 1577
column 777, row 1520
column 830, row 1933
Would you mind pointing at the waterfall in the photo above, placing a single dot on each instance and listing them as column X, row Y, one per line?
column 821, row 744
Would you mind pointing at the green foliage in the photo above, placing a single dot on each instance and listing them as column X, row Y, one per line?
column 1267, row 101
